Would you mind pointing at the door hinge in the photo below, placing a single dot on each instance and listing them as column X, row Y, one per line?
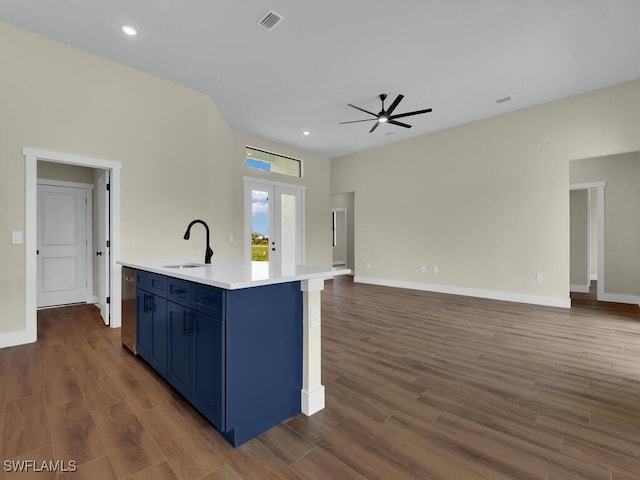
column 108, row 300
column 108, row 187
column 108, row 244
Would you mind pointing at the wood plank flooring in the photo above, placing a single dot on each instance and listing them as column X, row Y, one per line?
column 419, row 386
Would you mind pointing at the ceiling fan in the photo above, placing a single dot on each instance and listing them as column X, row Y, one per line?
column 385, row 116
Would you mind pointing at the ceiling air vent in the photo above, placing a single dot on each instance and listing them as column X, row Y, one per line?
column 270, row 20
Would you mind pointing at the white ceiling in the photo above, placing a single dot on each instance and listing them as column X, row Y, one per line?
column 455, row 56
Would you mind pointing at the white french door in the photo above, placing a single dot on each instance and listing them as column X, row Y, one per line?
column 63, row 244
column 274, row 222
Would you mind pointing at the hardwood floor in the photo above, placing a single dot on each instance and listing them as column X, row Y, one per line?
column 419, row 386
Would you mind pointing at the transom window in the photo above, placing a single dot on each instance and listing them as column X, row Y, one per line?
column 272, row 162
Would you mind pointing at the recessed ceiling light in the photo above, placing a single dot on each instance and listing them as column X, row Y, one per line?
column 306, row 133
column 129, row 30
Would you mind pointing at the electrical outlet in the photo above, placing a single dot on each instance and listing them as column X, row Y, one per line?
column 16, row 238
column 436, row 270
column 423, row 269
column 230, row 238
column 368, row 264
column 539, row 278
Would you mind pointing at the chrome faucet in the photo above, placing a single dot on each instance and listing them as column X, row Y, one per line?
column 208, row 253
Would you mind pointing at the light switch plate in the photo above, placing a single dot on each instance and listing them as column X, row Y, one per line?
column 16, row 238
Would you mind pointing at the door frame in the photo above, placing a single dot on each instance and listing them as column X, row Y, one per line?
column 30, row 333
column 252, row 181
column 88, row 188
column 600, row 213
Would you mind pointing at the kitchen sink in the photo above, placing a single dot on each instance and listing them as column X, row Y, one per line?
column 185, row 265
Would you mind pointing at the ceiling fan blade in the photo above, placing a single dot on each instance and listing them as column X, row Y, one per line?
column 395, row 103
column 375, row 125
column 363, row 110
column 408, row 114
column 357, row 121
column 400, row 124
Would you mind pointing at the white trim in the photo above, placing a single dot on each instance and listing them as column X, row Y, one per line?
column 586, row 186
column 274, row 183
column 469, row 292
column 619, row 298
column 30, row 332
column 61, row 183
column 579, row 288
column 313, row 401
column 593, row 276
column 89, row 222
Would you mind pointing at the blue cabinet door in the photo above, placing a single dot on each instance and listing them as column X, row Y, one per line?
column 179, row 362
column 151, row 329
column 144, row 338
column 158, row 358
column 208, row 373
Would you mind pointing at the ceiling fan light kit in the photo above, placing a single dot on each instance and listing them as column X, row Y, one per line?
column 386, row 116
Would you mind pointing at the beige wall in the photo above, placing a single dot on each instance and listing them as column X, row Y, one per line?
column 486, row 202
column 180, row 158
column 622, row 225
column 579, row 229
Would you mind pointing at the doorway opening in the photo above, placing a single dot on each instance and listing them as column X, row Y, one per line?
column 587, row 212
column 342, row 224
column 110, row 218
column 64, row 243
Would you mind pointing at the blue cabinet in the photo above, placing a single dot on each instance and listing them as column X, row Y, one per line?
column 151, row 320
column 235, row 355
column 196, row 359
column 179, row 368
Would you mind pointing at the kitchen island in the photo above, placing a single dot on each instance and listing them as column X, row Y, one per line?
column 241, row 342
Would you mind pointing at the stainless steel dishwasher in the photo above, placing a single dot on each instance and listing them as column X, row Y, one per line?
column 128, row 331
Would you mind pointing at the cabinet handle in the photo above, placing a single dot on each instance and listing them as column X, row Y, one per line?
column 145, row 307
column 184, row 322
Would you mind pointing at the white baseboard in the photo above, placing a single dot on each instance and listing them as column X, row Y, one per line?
column 313, row 401
column 579, row 288
column 470, row 292
column 619, row 298
column 593, row 276
column 20, row 337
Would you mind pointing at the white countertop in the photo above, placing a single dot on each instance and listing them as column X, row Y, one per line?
column 231, row 275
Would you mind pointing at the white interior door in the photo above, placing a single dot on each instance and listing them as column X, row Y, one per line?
column 62, row 245
column 104, row 251
column 274, row 222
